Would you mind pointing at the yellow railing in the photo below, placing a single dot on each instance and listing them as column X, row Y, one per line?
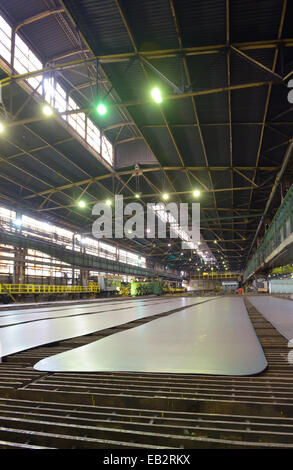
column 216, row 275
column 47, row 289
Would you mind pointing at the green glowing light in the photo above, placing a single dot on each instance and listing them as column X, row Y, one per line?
column 101, row 109
column 156, row 94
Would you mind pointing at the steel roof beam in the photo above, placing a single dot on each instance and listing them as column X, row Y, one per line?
column 282, row 19
column 162, row 76
column 256, row 63
column 186, row 69
column 174, row 193
column 142, row 171
column 38, row 17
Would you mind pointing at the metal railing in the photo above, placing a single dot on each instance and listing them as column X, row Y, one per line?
column 9, row 289
column 216, row 275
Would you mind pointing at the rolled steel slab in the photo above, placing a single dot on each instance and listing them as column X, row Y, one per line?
column 18, row 338
column 209, row 338
column 49, row 303
column 40, row 309
column 279, row 312
column 28, row 315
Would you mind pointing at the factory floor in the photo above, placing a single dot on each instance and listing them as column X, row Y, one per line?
column 145, row 410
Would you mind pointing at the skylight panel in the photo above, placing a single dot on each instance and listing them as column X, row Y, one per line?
column 5, row 40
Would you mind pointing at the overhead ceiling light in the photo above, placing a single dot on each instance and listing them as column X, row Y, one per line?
column 215, row 241
column 81, row 204
column 196, row 193
column 18, row 222
column 47, row 110
column 165, row 196
column 1, row 128
column 169, row 244
column 101, row 109
column 156, row 95
column 109, row 202
column 137, row 196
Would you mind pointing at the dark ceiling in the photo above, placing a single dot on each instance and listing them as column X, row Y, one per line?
column 223, row 127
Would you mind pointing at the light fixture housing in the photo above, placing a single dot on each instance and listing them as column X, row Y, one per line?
column 47, row 110
column 101, row 109
column 156, row 95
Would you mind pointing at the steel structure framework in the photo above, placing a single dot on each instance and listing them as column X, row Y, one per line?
column 228, row 187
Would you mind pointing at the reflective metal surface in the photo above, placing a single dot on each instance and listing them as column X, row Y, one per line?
column 279, row 312
column 215, row 337
column 38, row 308
column 29, row 335
column 33, row 314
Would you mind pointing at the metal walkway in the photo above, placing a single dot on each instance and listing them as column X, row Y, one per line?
column 276, row 247
column 78, row 259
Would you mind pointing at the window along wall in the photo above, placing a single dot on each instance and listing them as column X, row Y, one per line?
column 26, row 61
column 40, row 265
column 50, row 89
column 5, row 40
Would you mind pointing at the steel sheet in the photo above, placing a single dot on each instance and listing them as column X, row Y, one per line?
column 279, row 312
column 30, row 335
column 37, row 308
column 210, row 338
column 29, row 315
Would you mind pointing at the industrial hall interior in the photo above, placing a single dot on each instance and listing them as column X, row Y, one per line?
column 146, row 225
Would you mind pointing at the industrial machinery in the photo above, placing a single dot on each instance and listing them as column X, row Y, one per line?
column 147, row 288
column 110, row 285
column 173, row 287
